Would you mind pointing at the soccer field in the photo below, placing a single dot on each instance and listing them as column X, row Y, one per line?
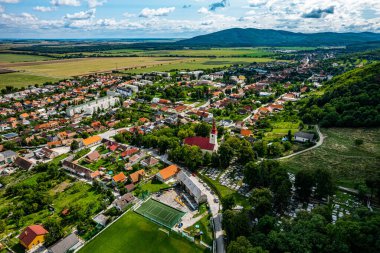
column 160, row 213
column 134, row 233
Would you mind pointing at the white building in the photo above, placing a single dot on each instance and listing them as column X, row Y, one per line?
column 93, row 106
column 187, row 181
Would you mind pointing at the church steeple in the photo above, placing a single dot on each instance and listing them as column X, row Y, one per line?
column 214, row 134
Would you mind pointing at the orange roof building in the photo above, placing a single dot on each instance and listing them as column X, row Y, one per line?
column 246, row 132
column 93, row 140
column 168, row 173
column 136, row 176
column 32, row 236
column 119, row 178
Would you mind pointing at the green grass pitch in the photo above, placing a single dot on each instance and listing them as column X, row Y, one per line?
column 160, row 213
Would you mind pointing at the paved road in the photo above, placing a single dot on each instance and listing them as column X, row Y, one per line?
column 319, row 143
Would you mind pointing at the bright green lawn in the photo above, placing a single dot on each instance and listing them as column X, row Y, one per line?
column 19, row 79
column 22, row 58
column 134, row 233
column 153, row 186
column 349, row 164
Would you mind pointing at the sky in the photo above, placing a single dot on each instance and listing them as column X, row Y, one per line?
column 77, row 19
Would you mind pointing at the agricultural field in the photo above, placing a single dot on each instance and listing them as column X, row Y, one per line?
column 214, row 52
column 350, row 164
column 134, row 233
column 69, row 68
column 200, row 63
column 10, row 58
column 19, row 79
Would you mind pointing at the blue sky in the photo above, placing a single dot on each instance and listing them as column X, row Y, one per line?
column 180, row 18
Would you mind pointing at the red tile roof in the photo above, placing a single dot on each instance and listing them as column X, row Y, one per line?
column 30, row 233
column 201, row 142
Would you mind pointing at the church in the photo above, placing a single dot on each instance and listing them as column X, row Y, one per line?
column 206, row 144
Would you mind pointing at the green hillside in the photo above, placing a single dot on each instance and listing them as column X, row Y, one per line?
column 349, row 100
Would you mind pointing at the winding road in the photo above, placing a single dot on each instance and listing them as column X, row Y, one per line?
column 319, row 143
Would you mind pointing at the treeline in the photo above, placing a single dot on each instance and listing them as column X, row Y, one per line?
column 350, row 100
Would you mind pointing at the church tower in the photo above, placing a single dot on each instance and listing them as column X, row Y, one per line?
column 214, row 135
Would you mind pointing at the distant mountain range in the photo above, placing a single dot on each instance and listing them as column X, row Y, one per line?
column 250, row 37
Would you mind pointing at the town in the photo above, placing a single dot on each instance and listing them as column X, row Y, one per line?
column 188, row 150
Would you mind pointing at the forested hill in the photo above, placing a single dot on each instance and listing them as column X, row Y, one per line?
column 350, row 100
column 250, row 37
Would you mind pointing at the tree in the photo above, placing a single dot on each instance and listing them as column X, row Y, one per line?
column 261, row 201
column 226, row 153
column 206, row 159
column 202, row 129
column 323, row 182
column 74, row 145
column 289, row 135
column 228, row 202
column 242, row 245
column 304, row 181
column 55, row 231
column 358, row 142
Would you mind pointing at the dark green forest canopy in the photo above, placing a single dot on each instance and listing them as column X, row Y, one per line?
column 349, row 100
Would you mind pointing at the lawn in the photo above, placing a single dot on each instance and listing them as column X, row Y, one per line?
column 350, row 164
column 153, row 186
column 134, row 233
column 22, row 58
column 281, row 129
column 20, row 79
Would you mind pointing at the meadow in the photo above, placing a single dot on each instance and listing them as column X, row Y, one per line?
column 350, row 164
column 134, row 233
column 10, row 58
column 20, row 79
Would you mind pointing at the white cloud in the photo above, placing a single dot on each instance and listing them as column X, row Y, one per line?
column 96, row 3
column 10, row 1
column 204, row 10
column 81, row 15
column 65, row 2
column 2, row 9
column 44, row 8
column 148, row 13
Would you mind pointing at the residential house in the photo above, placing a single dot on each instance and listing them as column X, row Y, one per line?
column 23, row 163
column 150, row 161
column 8, row 156
column 167, row 173
column 119, row 178
column 137, row 176
column 67, row 244
column 93, row 156
column 122, row 202
column 303, row 137
column 32, row 236
column 91, row 141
